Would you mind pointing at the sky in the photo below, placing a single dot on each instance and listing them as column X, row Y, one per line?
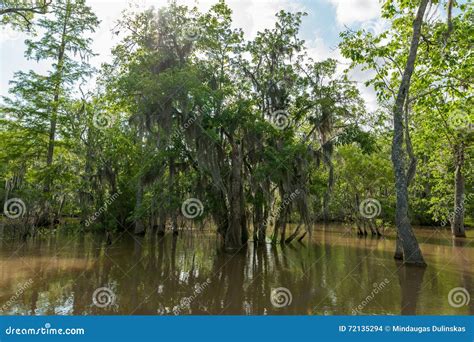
column 320, row 29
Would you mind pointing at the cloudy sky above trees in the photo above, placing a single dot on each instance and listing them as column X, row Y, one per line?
column 320, row 29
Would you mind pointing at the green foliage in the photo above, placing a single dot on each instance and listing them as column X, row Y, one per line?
column 188, row 109
column 20, row 13
column 439, row 109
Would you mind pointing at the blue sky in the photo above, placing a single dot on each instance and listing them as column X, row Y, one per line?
column 320, row 29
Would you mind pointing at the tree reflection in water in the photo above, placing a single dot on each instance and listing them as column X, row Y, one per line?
column 331, row 275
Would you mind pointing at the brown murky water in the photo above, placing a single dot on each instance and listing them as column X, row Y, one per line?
column 336, row 273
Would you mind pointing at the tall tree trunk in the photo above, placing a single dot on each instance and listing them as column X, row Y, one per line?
column 233, row 236
column 257, row 221
column 262, row 229
column 85, row 196
column 283, row 225
column 457, row 224
column 171, row 182
column 260, row 218
column 55, row 105
column 139, row 226
column 328, row 193
column 411, row 249
column 44, row 219
column 398, row 249
column 162, row 223
column 243, row 215
column 411, row 154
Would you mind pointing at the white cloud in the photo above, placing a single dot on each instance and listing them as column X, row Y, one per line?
column 368, row 93
column 254, row 16
column 250, row 15
column 364, row 14
column 352, row 11
column 319, row 50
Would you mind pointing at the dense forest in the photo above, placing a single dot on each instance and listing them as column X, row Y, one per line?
column 191, row 126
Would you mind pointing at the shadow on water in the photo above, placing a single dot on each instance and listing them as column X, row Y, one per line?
column 332, row 274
